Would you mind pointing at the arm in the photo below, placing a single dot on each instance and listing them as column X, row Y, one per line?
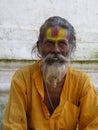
column 15, row 114
column 88, row 107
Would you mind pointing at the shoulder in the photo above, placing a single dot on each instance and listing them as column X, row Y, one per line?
column 28, row 70
column 77, row 74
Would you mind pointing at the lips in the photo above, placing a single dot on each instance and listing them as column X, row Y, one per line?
column 53, row 60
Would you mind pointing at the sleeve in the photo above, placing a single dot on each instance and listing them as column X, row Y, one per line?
column 88, row 107
column 15, row 113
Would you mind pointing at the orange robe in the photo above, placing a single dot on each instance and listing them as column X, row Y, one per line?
column 26, row 109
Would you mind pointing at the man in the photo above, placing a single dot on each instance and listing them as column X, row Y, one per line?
column 50, row 95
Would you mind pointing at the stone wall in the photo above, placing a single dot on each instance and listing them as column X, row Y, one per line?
column 19, row 26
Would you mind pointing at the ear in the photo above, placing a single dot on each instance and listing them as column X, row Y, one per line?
column 39, row 47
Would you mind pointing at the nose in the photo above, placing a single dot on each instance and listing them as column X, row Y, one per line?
column 56, row 49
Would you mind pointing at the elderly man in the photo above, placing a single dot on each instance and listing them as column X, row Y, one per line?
column 50, row 95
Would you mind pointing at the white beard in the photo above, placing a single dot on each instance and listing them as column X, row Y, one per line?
column 54, row 73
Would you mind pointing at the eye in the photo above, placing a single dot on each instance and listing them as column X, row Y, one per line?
column 49, row 43
column 62, row 43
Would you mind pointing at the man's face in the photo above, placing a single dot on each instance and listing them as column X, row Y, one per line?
column 56, row 43
column 55, row 54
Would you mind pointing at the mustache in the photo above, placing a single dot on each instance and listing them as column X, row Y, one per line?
column 52, row 58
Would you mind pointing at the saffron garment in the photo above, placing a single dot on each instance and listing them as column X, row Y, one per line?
column 26, row 109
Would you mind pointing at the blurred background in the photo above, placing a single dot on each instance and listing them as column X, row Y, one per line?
column 20, row 21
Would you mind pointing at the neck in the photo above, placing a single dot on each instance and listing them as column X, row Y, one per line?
column 52, row 95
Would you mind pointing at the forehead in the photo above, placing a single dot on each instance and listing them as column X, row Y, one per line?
column 57, row 33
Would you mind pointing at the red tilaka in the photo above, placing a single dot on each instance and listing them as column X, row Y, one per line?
column 55, row 32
